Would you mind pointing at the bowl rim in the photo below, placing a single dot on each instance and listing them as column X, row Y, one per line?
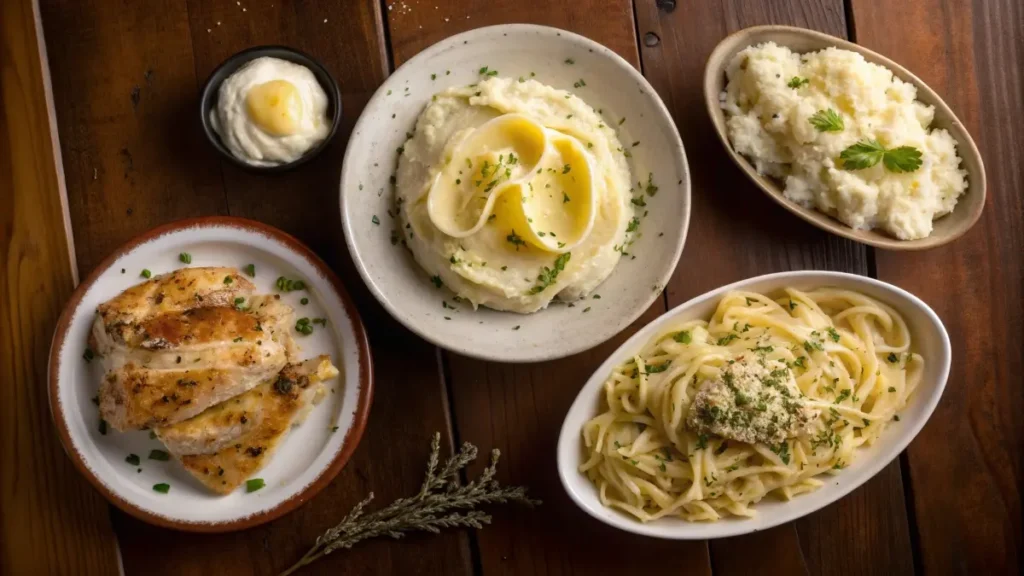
column 349, row 443
column 567, row 447
column 966, row 146
column 659, row 106
column 232, row 63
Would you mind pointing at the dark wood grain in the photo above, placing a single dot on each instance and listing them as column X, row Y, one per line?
column 51, row 520
column 519, row 409
column 130, row 75
column 965, row 466
column 738, row 232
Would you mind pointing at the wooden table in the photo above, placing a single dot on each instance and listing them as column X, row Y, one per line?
column 130, row 155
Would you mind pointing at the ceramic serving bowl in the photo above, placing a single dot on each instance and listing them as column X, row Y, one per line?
column 560, row 59
column 307, row 459
column 929, row 339
column 211, row 90
column 946, row 229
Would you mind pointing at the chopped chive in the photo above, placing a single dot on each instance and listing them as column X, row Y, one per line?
column 185, row 258
column 254, row 484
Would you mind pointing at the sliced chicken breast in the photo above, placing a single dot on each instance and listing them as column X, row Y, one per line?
column 228, row 443
column 169, row 365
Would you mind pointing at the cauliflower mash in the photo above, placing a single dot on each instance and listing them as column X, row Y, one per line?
column 270, row 111
column 846, row 137
column 512, row 193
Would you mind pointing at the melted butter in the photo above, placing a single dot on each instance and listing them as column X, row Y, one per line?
column 532, row 183
column 275, row 107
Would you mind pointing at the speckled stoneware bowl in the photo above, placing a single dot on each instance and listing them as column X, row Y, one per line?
column 560, row 59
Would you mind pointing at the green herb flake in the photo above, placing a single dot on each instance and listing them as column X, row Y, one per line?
column 88, row 355
column 304, row 301
column 250, row 270
column 159, row 455
column 254, row 484
column 827, row 121
column 146, row 273
column 185, row 258
column 162, row 488
column 133, row 459
column 796, row 82
column 683, row 337
column 436, row 281
column 228, row 280
column 893, row 358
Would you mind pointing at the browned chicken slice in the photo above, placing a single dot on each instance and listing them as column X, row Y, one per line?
column 171, row 365
column 228, row 443
column 178, row 291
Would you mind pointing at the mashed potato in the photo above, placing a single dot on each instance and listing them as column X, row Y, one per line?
column 512, row 193
column 771, row 100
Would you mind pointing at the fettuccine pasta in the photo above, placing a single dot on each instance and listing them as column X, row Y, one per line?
column 712, row 416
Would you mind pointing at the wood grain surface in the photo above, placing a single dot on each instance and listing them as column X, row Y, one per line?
column 965, row 466
column 126, row 78
column 51, row 520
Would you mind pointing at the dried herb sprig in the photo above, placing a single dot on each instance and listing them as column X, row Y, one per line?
column 441, row 503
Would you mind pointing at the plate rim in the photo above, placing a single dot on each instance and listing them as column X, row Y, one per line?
column 569, row 441
column 628, row 319
column 352, row 437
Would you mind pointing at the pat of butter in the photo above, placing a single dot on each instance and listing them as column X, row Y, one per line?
column 532, row 182
column 275, row 107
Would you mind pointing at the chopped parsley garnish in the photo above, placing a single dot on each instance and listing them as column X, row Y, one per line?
column 239, row 301
column 159, row 455
column 651, row 189
column 833, row 334
column 285, row 285
column 146, row 273
column 375, row 220
column 228, row 280
column 566, row 169
column 702, row 442
column 682, row 337
column 782, row 451
column 185, row 258
column 656, row 368
column 842, row 396
column 485, row 71
column 796, row 82
column 515, row 239
column 724, row 340
column 800, row 362
column 436, row 280
column 579, row 83
column 827, row 121
column 517, row 327
column 133, row 459
column 893, row 358
column 88, row 355
column 892, row 388
column 639, row 201
column 303, row 326
column 254, row 484
column 239, row 339
column 792, row 305
column 548, row 276
column 304, row 301
column 568, row 61
column 867, row 153
column 250, row 269
column 565, row 198
column 162, row 488
column 587, row 309
column 634, row 224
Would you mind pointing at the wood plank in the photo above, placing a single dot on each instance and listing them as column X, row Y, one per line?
column 519, row 408
column 737, row 232
column 966, row 465
column 168, row 51
column 51, row 520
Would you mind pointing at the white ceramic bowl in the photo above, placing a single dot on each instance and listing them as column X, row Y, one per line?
column 614, row 87
column 929, row 338
column 310, row 455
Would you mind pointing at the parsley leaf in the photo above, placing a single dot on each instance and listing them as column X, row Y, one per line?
column 863, row 154
column 796, row 82
column 683, row 337
column 548, row 276
column 827, row 121
column 902, row 159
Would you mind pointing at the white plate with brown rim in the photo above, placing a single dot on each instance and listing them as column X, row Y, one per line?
column 800, row 40
column 307, row 459
column 560, row 59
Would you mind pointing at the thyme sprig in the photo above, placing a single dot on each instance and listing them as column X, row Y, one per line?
column 441, row 503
